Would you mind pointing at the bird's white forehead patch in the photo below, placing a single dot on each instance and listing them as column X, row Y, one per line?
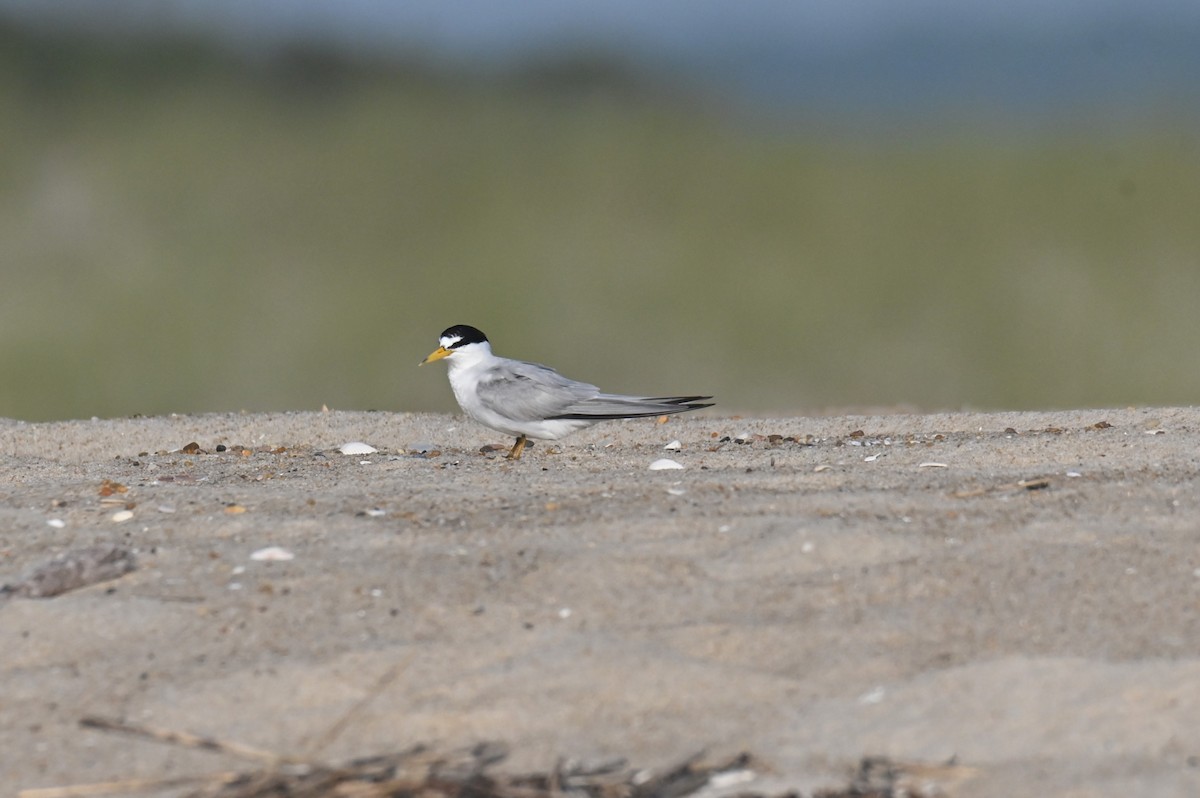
column 448, row 341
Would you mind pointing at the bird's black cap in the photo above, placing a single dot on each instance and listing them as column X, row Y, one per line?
column 465, row 333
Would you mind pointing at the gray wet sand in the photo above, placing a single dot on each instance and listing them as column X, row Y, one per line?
column 1016, row 591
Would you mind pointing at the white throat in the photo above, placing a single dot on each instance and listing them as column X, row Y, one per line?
column 470, row 356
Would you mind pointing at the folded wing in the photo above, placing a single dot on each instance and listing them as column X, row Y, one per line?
column 533, row 392
column 610, row 406
column 530, row 391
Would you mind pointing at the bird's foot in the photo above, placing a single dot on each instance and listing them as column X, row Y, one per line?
column 518, row 447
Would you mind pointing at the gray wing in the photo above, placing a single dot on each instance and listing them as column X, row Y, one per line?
column 612, row 406
column 531, row 392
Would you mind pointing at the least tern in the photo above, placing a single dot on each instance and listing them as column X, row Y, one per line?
column 530, row 400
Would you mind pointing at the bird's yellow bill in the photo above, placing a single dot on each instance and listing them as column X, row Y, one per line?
column 436, row 354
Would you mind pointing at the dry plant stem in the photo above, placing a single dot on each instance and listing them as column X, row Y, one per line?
column 186, row 739
column 125, row 786
column 330, row 734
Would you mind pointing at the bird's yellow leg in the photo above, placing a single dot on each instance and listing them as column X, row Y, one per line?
column 518, row 447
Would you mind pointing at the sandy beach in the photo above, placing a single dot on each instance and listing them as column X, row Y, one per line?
column 1011, row 600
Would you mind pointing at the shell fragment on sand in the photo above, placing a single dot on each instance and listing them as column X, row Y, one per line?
column 272, row 554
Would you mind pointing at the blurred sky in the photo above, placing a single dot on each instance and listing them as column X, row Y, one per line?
column 499, row 28
column 889, row 55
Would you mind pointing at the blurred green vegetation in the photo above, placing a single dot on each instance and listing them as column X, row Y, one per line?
column 185, row 231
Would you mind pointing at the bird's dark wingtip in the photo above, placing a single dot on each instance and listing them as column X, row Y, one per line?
column 688, row 401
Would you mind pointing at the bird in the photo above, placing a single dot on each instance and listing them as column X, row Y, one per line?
column 529, row 400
